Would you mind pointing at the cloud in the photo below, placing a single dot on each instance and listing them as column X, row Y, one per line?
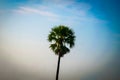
column 35, row 11
column 62, row 12
column 70, row 6
column 57, row 10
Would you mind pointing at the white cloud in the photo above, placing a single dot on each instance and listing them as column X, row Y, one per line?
column 58, row 10
column 62, row 12
column 35, row 11
column 70, row 6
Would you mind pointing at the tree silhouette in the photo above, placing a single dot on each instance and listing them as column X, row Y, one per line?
column 62, row 39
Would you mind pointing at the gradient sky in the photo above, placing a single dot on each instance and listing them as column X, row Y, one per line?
column 24, row 49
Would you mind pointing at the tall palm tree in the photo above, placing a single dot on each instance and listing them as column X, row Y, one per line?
column 62, row 39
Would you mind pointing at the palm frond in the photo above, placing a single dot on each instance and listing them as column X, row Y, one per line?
column 60, row 36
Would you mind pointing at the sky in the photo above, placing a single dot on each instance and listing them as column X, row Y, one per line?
column 25, row 52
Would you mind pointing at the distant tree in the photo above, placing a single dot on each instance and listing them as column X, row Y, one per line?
column 62, row 38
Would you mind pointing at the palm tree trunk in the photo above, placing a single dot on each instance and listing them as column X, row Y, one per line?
column 57, row 73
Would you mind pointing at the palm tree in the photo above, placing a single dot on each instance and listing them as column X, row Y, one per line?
column 62, row 39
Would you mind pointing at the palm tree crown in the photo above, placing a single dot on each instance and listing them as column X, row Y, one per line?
column 62, row 39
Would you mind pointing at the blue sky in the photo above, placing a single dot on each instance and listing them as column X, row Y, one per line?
column 25, row 25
